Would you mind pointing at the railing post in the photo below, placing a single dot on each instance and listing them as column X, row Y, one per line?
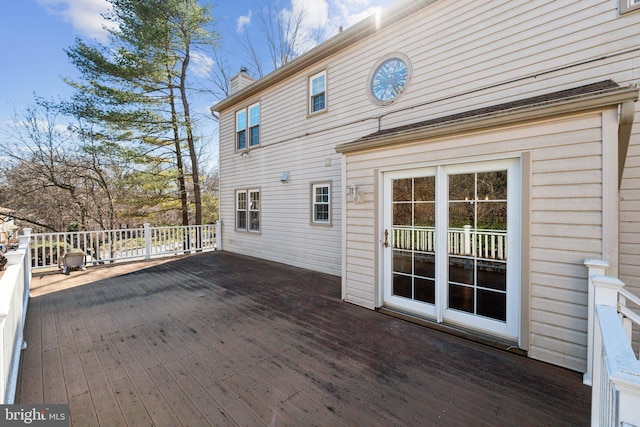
column 628, row 408
column 467, row 240
column 13, row 318
column 147, row 240
column 25, row 243
column 605, row 292
column 596, row 267
column 218, row 235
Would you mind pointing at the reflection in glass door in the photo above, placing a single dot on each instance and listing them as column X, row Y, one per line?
column 413, row 237
column 451, row 244
column 477, row 255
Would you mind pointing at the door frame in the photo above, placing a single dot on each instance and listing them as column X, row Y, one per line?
column 511, row 328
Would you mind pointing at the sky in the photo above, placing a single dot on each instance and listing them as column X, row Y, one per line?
column 34, row 34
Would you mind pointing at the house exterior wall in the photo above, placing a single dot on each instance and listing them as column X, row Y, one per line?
column 462, row 59
column 565, row 197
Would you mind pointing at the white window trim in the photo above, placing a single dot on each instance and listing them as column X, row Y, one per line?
column 247, row 192
column 313, row 187
column 311, row 95
column 509, row 329
column 394, row 55
column 247, row 127
column 626, row 6
column 237, row 209
column 249, row 210
column 237, row 130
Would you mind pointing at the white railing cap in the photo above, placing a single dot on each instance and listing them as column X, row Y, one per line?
column 596, row 263
column 622, row 361
column 14, row 257
column 607, row 281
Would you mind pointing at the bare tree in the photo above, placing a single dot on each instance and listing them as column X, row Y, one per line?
column 220, row 78
column 52, row 177
column 279, row 36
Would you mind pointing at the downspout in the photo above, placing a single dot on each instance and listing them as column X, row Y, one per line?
column 627, row 113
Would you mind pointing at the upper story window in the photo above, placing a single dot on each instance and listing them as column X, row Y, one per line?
column 254, row 125
column 241, row 130
column 318, row 92
column 321, row 203
column 248, row 131
column 629, row 5
column 389, row 79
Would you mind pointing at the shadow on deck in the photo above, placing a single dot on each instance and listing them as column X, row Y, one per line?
column 223, row 339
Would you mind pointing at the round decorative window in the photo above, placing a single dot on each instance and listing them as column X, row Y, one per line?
column 389, row 78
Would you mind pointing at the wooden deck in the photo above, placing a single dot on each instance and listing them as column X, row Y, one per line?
column 223, row 339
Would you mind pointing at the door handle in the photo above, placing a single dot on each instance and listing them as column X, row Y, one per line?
column 386, row 238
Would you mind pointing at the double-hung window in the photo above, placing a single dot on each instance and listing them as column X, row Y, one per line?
column 318, row 92
column 254, row 210
column 248, row 210
column 241, row 130
column 321, row 203
column 254, row 124
column 248, row 127
column 241, row 210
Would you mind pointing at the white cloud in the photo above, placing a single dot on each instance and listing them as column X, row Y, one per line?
column 322, row 18
column 201, row 64
column 84, row 15
column 315, row 12
column 243, row 21
column 353, row 11
column 23, row 126
column 353, row 18
column 314, row 22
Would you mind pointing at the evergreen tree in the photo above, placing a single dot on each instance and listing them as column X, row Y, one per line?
column 135, row 88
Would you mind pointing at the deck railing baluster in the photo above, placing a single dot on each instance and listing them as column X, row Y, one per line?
column 612, row 366
column 121, row 244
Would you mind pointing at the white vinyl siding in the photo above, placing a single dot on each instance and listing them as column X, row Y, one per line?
column 565, row 223
column 463, row 58
column 286, row 234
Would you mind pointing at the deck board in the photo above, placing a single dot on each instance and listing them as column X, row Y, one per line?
column 223, row 339
column 33, row 385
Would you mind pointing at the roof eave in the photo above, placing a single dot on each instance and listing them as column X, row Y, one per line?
column 574, row 105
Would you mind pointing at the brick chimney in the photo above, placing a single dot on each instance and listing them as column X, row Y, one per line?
column 241, row 80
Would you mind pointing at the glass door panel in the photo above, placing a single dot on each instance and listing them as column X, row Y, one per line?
column 413, row 238
column 477, row 249
column 453, row 268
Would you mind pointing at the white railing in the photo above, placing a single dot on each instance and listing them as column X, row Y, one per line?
column 14, row 296
column 487, row 244
column 124, row 244
column 613, row 369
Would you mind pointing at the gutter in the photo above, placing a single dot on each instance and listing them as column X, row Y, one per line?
column 348, row 37
column 594, row 101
